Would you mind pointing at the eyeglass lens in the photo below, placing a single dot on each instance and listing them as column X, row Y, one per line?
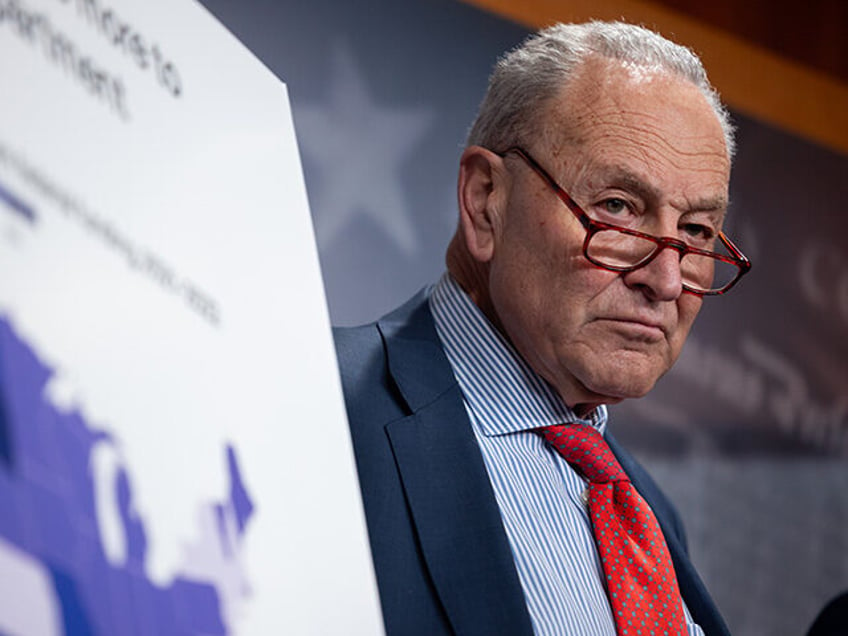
column 618, row 250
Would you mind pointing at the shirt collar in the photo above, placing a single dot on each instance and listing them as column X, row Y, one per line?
column 501, row 389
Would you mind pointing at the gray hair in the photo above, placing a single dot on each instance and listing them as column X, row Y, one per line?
column 525, row 78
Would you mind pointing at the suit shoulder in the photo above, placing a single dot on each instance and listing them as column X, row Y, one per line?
column 371, row 397
column 356, row 346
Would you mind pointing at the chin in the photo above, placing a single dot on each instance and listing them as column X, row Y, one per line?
column 617, row 391
column 623, row 381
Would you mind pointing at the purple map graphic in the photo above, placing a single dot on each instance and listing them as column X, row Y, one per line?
column 16, row 205
column 48, row 516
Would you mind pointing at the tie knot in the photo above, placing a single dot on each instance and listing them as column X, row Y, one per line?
column 586, row 450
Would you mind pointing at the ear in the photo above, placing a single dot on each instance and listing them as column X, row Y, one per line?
column 482, row 189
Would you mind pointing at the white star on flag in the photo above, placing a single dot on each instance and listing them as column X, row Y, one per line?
column 360, row 148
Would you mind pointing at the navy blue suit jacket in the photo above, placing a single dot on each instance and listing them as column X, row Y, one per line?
column 442, row 558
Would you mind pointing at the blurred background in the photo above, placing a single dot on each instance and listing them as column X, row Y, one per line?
column 749, row 432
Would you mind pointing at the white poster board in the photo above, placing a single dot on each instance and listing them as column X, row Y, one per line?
column 174, row 455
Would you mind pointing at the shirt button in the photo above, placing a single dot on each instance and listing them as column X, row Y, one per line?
column 585, row 496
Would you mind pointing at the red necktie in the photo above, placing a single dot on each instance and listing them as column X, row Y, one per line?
column 640, row 580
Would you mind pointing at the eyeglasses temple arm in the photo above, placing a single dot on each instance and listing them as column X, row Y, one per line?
column 744, row 263
column 570, row 203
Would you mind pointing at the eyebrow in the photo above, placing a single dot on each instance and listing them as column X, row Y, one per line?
column 629, row 180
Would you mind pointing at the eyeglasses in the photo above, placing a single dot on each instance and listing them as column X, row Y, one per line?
column 619, row 249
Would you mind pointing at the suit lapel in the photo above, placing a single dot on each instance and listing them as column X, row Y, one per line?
column 444, row 479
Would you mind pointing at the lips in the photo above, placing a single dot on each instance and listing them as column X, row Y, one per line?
column 649, row 328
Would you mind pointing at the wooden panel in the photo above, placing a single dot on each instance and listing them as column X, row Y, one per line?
column 814, row 33
column 750, row 78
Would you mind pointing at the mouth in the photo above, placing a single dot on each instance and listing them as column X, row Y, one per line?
column 638, row 328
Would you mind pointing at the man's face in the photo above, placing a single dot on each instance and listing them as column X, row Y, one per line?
column 634, row 147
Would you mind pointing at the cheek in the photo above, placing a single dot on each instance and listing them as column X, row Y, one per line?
column 539, row 279
column 533, row 263
column 688, row 307
column 559, row 286
column 535, row 299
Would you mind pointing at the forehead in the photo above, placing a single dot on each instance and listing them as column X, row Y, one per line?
column 640, row 119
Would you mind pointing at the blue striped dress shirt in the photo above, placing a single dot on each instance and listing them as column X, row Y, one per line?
column 540, row 496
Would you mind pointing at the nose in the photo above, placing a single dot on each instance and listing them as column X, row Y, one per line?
column 660, row 279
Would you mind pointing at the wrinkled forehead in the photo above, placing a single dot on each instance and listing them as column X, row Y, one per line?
column 610, row 98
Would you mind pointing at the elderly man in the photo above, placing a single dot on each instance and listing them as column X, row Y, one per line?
column 592, row 193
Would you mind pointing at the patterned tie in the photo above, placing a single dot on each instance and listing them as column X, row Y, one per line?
column 640, row 579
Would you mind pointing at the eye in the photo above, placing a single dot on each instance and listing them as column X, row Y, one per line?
column 614, row 207
column 698, row 233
